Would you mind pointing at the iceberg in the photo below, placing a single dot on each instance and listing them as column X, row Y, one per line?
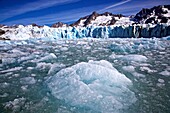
column 95, row 85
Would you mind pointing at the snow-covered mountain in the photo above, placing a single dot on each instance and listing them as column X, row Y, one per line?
column 154, row 22
column 155, row 15
column 105, row 19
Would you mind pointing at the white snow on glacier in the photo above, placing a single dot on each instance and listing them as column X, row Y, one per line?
column 95, row 85
column 114, row 31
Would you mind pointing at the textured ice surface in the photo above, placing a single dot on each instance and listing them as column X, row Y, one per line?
column 123, row 31
column 95, row 85
column 26, row 65
column 27, row 80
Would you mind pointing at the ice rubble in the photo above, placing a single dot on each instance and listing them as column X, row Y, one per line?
column 114, row 31
column 95, row 85
column 135, row 46
column 15, row 105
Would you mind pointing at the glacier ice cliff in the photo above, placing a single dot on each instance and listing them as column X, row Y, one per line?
column 125, row 31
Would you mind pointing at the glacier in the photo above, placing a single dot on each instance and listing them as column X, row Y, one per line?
column 114, row 31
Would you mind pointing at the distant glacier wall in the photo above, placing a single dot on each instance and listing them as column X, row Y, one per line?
column 145, row 30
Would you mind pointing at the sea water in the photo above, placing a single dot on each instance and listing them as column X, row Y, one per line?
column 85, row 76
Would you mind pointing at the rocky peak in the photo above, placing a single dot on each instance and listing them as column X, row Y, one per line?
column 1, row 25
column 94, row 14
column 58, row 24
column 107, row 14
column 108, row 19
column 2, row 32
column 35, row 25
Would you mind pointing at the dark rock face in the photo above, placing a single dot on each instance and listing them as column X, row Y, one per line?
column 154, row 15
column 1, row 25
column 35, row 25
column 59, row 24
column 90, row 18
column 2, row 32
column 4, row 38
column 113, row 21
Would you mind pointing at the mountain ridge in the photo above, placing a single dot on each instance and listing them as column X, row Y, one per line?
column 155, row 15
column 154, row 22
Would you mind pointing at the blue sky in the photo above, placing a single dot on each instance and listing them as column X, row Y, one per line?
column 51, row 11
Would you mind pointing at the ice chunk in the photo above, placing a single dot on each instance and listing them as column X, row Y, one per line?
column 48, row 57
column 160, row 83
column 12, row 69
column 147, row 69
column 63, row 110
column 129, row 68
column 95, row 85
column 6, row 61
column 112, row 56
column 138, row 74
column 166, row 38
column 55, row 68
column 64, row 49
column 43, row 65
column 4, row 85
column 15, row 105
column 27, row 80
column 165, row 73
column 24, row 88
column 137, row 58
column 161, row 80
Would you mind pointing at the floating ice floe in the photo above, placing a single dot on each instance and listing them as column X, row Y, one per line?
column 137, row 58
column 147, row 69
column 51, row 56
column 95, row 85
column 165, row 73
column 129, row 68
column 12, row 69
column 27, row 80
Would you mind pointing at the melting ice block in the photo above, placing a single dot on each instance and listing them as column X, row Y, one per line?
column 95, row 85
column 135, row 57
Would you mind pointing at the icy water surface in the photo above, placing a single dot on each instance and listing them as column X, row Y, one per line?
column 85, row 76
